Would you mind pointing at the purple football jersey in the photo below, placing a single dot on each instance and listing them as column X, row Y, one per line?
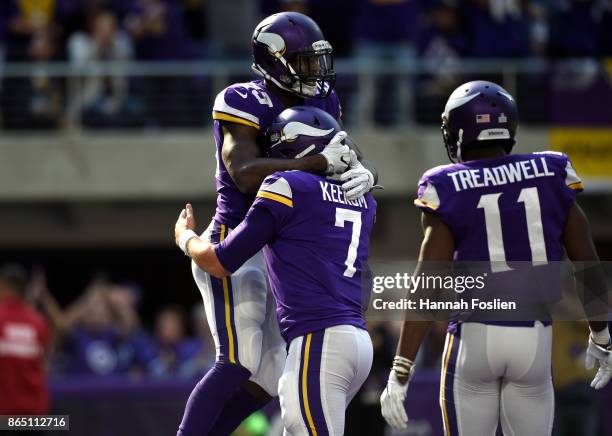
column 511, row 208
column 317, row 259
column 250, row 104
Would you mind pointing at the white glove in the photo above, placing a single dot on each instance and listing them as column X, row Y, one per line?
column 360, row 180
column 392, row 402
column 601, row 354
column 337, row 154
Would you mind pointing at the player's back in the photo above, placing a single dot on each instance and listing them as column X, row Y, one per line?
column 317, row 262
column 510, row 208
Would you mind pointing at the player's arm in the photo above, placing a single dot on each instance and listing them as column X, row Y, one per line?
column 242, row 158
column 220, row 260
column 580, row 248
column 437, row 246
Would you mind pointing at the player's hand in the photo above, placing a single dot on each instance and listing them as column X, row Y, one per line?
column 358, row 180
column 185, row 221
column 392, row 402
column 337, row 154
column 603, row 355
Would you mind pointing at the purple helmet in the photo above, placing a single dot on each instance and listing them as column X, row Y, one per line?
column 300, row 131
column 477, row 112
column 290, row 51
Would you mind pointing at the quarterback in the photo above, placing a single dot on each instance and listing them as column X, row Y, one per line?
column 296, row 67
column 492, row 206
column 316, row 251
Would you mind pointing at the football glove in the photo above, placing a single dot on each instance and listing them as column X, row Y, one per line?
column 337, row 154
column 603, row 355
column 358, row 180
column 394, row 395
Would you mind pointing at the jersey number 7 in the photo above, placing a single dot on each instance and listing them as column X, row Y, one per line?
column 343, row 215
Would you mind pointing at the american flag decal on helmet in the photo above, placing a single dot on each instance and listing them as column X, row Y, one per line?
column 483, row 118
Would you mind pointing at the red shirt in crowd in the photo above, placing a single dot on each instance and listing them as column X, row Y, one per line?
column 24, row 335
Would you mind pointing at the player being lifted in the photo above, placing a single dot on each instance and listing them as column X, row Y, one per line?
column 493, row 371
column 316, row 253
column 295, row 62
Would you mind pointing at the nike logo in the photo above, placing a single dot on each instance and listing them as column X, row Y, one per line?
column 342, row 159
column 240, row 94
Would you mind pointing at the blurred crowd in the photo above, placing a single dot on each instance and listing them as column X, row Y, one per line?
column 82, row 30
column 437, row 32
column 101, row 333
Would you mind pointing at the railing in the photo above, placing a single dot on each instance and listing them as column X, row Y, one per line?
column 180, row 94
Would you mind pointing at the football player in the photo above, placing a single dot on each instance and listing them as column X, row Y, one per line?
column 295, row 63
column 473, row 210
column 317, row 248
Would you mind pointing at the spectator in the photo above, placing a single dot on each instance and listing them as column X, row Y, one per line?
column 159, row 33
column 35, row 102
column 104, row 95
column 24, row 20
column 24, row 349
column 605, row 29
column 574, row 29
column 231, row 24
column 158, row 30
column 385, row 32
column 497, row 28
column 441, row 44
column 205, row 357
column 173, row 348
column 100, row 332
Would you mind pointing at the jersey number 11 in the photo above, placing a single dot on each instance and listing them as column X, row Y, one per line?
column 535, row 231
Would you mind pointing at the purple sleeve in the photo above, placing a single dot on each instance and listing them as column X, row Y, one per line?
column 246, row 240
column 241, row 103
column 428, row 199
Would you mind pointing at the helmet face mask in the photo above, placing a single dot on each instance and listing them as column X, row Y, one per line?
column 314, row 72
column 289, row 51
column 478, row 114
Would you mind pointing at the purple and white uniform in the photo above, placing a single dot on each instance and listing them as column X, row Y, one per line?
column 239, row 309
column 511, row 208
column 249, row 104
column 316, row 256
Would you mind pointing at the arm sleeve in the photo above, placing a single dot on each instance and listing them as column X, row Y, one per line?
column 572, row 180
column 239, row 104
column 272, row 207
column 247, row 239
column 427, row 199
column 276, row 196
